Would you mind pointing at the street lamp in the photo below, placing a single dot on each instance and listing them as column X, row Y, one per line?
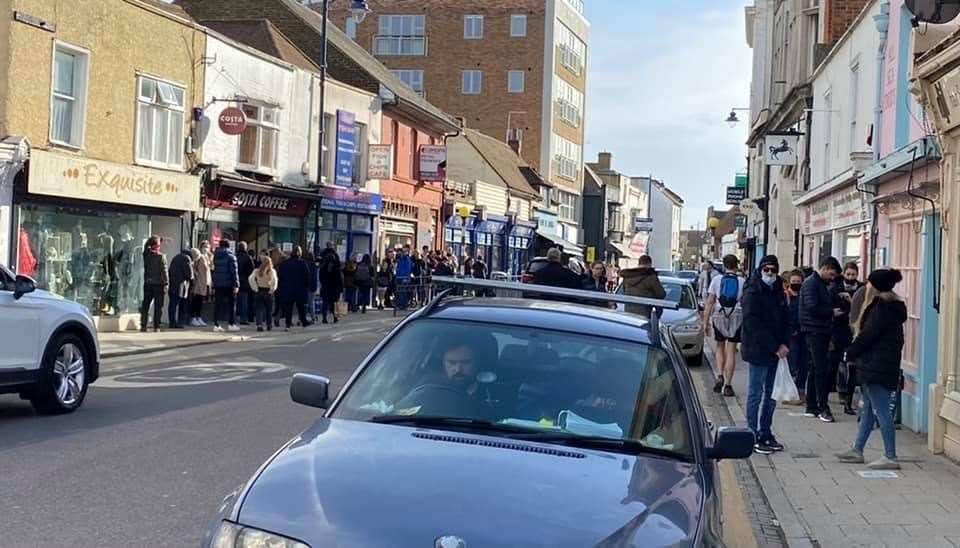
column 732, row 120
column 713, row 223
column 358, row 10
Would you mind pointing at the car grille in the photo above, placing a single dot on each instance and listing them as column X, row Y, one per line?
column 499, row 444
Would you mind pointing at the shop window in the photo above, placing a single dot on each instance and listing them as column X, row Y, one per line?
column 160, row 110
column 89, row 256
column 361, row 223
column 69, row 95
column 258, row 143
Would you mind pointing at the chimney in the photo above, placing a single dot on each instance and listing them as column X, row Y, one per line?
column 605, row 160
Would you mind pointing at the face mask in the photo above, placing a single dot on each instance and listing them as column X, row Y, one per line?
column 796, row 287
column 769, row 278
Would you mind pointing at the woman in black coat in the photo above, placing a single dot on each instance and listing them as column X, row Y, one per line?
column 877, row 350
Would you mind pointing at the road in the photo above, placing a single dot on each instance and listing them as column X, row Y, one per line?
column 161, row 439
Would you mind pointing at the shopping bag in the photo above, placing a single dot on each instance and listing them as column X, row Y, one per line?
column 341, row 308
column 784, row 388
column 843, row 377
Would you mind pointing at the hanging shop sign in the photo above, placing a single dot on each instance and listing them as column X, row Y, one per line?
column 781, row 150
column 736, row 194
column 379, row 161
column 258, row 202
column 740, row 180
column 639, row 242
column 546, row 223
column 53, row 174
column 433, row 163
column 347, row 199
column 232, row 121
column 346, row 147
column 642, row 224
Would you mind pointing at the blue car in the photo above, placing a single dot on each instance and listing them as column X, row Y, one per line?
column 482, row 422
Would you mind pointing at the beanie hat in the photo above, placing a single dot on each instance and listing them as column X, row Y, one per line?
column 884, row 279
column 770, row 260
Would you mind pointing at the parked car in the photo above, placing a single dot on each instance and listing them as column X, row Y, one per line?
column 50, row 352
column 690, row 275
column 535, row 264
column 685, row 323
column 497, row 422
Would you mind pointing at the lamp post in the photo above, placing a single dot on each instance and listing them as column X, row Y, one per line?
column 358, row 10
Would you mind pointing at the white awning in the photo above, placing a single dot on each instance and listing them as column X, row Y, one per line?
column 569, row 248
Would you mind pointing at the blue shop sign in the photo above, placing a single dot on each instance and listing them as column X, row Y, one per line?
column 491, row 227
column 346, row 147
column 350, row 200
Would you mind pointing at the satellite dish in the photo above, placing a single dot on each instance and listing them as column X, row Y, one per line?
column 936, row 12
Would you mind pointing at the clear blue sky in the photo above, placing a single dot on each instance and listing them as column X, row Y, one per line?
column 663, row 75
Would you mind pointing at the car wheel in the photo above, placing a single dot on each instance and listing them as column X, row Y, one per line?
column 64, row 376
column 695, row 361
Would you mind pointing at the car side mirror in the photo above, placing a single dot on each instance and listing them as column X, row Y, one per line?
column 310, row 390
column 23, row 285
column 732, row 442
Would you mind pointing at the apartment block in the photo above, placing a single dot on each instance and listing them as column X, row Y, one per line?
column 515, row 70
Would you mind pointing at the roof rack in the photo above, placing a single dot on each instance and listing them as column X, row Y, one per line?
column 579, row 295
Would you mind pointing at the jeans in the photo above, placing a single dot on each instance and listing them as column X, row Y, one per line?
column 876, row 403
column 799, row 360
column 244, row 304
column 264, row 306
column 151, row 294
column 176, row 309
column 224, row 309
column 288, row 311
column 760, row 400
column 818, row 378
column 196, row 306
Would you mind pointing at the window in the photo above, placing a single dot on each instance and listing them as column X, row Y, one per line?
column 572, row 49
column 68, row 95
column 412, row 78
column 854, row 105
column 577, row 5
column 518, row 26
column 567, row 157
column 160, row 123
column 401, row 35
column 473, row 27
column 351, row 28
column 608, row 389
column 515, row 81
column 569, row 101
column 328, row 136
column 258, row 143
column 568, row 206
column 472, row 82
column 360, row 155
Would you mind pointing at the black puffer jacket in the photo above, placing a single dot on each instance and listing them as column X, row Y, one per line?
column 766, row 322
column 878, row 348
column 816, row 306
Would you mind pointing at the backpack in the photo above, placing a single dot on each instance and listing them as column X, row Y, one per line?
column 729, row 291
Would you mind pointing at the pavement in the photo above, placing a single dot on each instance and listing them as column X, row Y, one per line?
column 821, row 502
column 130, row 343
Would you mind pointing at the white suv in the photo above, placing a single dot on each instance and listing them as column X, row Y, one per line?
column 48, row 346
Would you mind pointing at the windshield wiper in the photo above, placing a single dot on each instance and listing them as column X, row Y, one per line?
column 601, row 442
column 451, row 422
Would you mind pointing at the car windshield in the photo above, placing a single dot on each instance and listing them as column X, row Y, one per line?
column 521, row 380
column 680, row 293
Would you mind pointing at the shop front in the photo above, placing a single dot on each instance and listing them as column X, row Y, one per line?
column 81, row 225
column 490, row 241
column 458, row 236
column 405, row 224
column 836, row 225
column 519, row 243
column 263, row 215
column 348, row 218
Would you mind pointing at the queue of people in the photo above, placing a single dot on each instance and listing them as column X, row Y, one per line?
column 835, row 332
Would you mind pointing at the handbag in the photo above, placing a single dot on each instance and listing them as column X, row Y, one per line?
column 341, row 308
column 844, row 374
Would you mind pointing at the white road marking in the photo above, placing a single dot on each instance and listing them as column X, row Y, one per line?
column 189, row 375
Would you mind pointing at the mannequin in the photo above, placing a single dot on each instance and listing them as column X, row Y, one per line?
column 80, row 263
column 124, row 256
column 108, row 276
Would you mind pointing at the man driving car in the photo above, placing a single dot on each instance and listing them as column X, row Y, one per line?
column 459, row 368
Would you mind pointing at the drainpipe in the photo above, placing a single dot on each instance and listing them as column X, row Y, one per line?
column 882, row 21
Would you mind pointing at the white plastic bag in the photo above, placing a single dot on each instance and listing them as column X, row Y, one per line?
column 784, row 389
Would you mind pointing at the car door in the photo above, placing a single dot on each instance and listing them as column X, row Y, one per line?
column 19, row 327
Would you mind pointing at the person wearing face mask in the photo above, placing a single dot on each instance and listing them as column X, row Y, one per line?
column 798, row 348
column 766, row 336
column 843, row 290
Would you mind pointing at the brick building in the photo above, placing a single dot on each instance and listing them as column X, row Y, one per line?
column 512, row 69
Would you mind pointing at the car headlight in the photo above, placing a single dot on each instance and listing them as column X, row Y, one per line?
column 687, row 327
column 231, row 535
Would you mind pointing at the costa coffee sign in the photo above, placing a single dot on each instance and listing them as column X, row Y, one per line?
column 260, row 202
column 232, row 121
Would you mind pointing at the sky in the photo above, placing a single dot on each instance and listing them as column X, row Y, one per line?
column 662, row 77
